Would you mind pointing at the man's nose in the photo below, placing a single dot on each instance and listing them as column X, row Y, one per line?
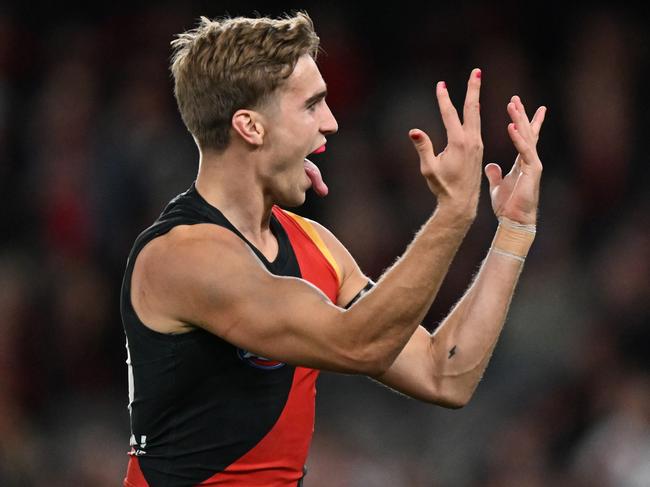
column 329, row 125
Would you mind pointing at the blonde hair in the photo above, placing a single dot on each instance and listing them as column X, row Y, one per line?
column 227, row 64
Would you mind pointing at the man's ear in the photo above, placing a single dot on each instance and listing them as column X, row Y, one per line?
column 249, row 125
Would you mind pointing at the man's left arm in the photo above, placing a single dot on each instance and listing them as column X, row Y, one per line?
column 445, row 367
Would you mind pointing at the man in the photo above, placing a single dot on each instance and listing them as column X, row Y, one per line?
column 230, row 304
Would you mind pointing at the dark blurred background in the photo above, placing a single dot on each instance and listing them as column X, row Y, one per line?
column 92, row 147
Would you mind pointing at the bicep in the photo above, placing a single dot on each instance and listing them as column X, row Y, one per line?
column 283, row 318
column 412, row 372
column 237, row 299
column 417, row 371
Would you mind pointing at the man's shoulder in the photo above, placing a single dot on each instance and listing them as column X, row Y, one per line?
column 191, row 248
column 186, row 240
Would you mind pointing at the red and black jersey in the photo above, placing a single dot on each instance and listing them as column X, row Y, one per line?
column 204, row 412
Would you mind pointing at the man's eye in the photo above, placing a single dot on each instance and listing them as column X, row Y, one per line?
column 312, row 107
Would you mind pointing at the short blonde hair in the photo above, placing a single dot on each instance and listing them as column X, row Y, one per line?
column 227, row 64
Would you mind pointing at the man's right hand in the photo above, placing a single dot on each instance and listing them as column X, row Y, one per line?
column 454, row 175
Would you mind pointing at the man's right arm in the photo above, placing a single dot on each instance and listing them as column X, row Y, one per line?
column 284, row 318
column 179, row 281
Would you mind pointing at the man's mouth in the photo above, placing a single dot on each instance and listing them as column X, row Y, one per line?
column 314, row 174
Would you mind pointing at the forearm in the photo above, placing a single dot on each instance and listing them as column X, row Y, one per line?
column 463, row 344
column 386, row 317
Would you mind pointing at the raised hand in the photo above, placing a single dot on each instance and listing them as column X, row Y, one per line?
column 516, row 195
column 454, row 175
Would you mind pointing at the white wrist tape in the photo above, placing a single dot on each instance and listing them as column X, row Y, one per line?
column 513, row 239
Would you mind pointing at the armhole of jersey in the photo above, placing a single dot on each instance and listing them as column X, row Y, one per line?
column 318, row 241
column 360, row 294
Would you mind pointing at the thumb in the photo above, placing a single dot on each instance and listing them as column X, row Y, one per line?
column 422, row 144
column 493, row 174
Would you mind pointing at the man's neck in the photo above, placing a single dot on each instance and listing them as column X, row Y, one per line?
column 228, row 182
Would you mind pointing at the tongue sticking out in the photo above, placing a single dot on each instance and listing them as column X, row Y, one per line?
column 316, row 179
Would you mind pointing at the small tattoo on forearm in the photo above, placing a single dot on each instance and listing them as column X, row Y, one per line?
column 452, row 352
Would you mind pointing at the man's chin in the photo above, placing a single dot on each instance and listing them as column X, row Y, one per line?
column 298, row 201
column 294, row 200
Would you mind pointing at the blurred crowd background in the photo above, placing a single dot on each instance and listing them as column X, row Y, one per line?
column 92, row 147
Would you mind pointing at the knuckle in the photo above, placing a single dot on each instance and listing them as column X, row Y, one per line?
column 457, row 142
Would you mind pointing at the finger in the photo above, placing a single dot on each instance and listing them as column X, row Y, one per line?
column 519, row 106
column 472, row 107
column 520, row 120
column 538, row 120
column 423, row 146
column 448, row 112
column 493, row 174
column 528, row 153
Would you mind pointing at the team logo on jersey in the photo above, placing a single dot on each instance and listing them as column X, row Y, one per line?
column 257, row 361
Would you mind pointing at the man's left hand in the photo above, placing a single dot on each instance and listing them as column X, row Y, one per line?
column 516, row 195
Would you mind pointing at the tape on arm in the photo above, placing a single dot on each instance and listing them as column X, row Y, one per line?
column 513, row 239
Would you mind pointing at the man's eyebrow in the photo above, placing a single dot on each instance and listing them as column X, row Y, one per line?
column 317, row 97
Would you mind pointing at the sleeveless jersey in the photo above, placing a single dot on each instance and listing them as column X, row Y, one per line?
column 204, row 412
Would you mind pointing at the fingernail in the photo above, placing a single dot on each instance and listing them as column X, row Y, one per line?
column 478, row 73
column 415, row 136
column 443, row 85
